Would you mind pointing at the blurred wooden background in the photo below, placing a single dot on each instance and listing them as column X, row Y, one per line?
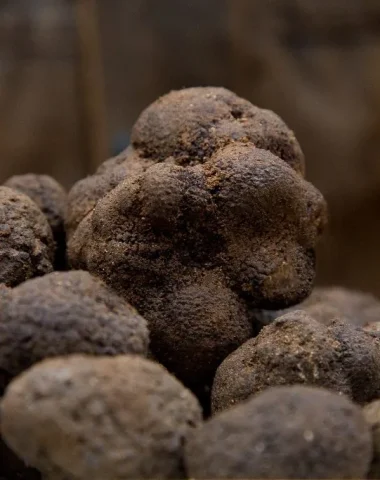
column 315, row 62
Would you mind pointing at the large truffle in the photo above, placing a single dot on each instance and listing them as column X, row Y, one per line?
column 296, row 349
column 26, row 240
column 285, row 432
column 177, row 240
column 64, row 313
column 50, row 197
column 99, row 418
column 186, row 127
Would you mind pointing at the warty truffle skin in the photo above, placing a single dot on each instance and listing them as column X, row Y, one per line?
column 26, row 240
column 186, row 127
column 285, row 432
column 241, row 226
column 65, row 313
column 296, row 349
column 51, row 198
column 101, row 418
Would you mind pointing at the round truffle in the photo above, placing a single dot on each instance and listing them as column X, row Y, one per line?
column 296, row 349
column 99, row 418
column 285, row 432
column 51, row 198
column 372, row 416
column 189, row 125
column 176, row 241
column 65, row 313
column 26, row 240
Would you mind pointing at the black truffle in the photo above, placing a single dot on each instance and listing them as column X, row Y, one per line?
column 372, row 416
column 285, row 432
column 26, row 240
column 64, row 313
column 99, row 418
column 51, row 198
column 296, row 349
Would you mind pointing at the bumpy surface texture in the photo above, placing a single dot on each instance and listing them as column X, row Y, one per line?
column 176, row 241
column 372, row 416
column 26, row 240
column 51, row 198
column 186, row 127
column 296, row 349
column 98, row 419
column 64, row 313
column 286, row 432
column 326, row 303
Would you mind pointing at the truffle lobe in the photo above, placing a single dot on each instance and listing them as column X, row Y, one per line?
column 84, row 417
column 284, row 432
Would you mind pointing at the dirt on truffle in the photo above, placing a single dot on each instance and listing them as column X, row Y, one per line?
column 26, row 240
column 99, row 418
column 51, row 198
column 285, row 432
column 65, row 313
column 296, row 349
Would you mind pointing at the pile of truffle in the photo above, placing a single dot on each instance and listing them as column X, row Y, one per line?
column 159, row 320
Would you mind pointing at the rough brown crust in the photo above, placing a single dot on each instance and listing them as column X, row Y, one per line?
column 51, row 198
column 241, row 226
column 26, row 240
column 190, row 125
column 186, row 127
column 64, row 313
column 296, row 349
column 285, row 432
column 100, row 418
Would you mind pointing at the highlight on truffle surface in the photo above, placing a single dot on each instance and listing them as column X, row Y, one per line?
column 99, row 418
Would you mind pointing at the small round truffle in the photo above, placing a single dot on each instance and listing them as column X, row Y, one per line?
column 51, row 198
column 26, row 240
column 296, row 349
column 372, row 416
column 99, row 418
column 285, row 432
column 65, row 313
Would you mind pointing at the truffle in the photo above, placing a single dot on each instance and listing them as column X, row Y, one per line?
column 326, row 303
column 176, row 241
column 372, row 416
column 50, row 197
column 186, row 127
column 296, row 349
column 64, row 313
column 26, row 240
column 99, row 418
column 285, row 432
